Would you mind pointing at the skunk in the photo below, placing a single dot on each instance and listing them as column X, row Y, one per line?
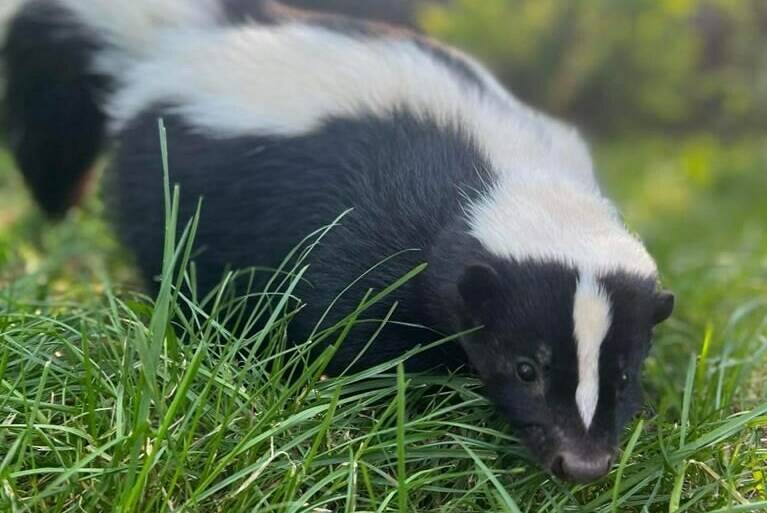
column 282, row 120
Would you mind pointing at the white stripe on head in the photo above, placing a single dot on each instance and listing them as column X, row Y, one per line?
column 592, row 317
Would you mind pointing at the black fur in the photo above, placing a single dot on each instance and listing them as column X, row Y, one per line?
column 401, row 176
column 54, row 122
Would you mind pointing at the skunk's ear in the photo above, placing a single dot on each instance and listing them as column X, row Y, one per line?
column 664, row 306
column 478, row 285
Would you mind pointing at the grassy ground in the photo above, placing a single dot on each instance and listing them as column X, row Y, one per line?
column 106, row 406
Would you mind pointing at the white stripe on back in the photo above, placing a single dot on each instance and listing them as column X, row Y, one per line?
column 288, row 79
column 592, row 317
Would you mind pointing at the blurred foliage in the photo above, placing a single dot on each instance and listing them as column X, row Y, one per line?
column 69, row 261
column 699, row 203
column 628, row 64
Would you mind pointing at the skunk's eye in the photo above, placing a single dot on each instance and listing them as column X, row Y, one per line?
column 526, row 372
column 623, row 381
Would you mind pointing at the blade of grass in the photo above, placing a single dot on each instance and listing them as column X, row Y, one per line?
column 509, row 503
column 624, row 461
column 402, row 492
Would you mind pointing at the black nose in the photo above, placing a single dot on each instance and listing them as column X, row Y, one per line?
column 579, row 468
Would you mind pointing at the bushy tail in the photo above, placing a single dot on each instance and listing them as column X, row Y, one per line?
column 61, row 58
column 55, row 125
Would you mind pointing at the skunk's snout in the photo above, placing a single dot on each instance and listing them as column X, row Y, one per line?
column 580, row 468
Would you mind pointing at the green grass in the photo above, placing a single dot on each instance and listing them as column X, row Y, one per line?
column 107, row 405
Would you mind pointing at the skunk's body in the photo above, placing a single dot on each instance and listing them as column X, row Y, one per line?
column 281, row 123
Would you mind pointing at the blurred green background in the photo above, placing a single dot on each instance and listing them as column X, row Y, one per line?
column 623, row 65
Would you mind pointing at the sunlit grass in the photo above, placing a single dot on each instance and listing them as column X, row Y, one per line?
column 111, row 401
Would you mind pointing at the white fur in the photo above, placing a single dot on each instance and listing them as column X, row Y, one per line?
column 592, row 317
column 134, row 26
column 133, row 29
column 288, row 79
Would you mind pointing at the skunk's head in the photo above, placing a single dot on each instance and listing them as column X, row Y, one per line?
column 561, row 353
column 560, row 349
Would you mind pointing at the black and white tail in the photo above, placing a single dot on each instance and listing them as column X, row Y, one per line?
column 61, row 58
